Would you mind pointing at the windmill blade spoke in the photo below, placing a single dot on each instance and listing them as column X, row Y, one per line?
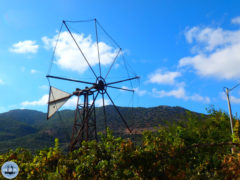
column 119, row 113
column 104, row 113
column 98, row 48
column 89, row 112
column 136, row 77
column 124, row 89
column 64, row 22
column 107, row 34
column 80, row 21
column 113, row 63
column 68, row 79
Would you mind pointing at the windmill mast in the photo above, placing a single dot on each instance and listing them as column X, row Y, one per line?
column 84, row 126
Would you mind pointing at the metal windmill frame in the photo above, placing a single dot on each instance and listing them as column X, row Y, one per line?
column 84, row 126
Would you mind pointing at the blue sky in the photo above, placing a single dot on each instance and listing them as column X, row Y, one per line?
column 184, row 51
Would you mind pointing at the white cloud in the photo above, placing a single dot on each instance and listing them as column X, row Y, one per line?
column 49, row 43
column 236, row 20
column 197, row 97
column 221, row 64
column 191, row 33
column 99, row 102
column 33, row 71
column 217, row 52
column 180, row 93
column 140, row 92
column 208, row 39
column 233, row 99
column 42, row 101
column 1, row 82
column 72, row 102
column 177, row 93
column 69, row 57
column 136, row 90
column 160, row 77
column 22, row 47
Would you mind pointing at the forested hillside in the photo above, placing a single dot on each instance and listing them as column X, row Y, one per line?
column 30, row 129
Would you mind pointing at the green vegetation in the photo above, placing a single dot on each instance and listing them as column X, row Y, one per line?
column 196, row 148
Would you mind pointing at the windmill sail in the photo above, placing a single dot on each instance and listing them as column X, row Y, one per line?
column 56, row 99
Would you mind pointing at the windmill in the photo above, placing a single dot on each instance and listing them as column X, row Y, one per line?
column 84, row 125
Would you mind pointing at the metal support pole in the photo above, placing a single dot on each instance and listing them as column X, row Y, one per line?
column 230, row 115
column 86, row 114
column 230, row 109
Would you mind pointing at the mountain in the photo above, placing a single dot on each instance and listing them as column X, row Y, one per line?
column 24, row 115
column 30, row 129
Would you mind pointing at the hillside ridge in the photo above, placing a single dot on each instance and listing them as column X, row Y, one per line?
column 30, row 129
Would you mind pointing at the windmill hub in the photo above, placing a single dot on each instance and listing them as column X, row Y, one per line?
column 101, row 85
